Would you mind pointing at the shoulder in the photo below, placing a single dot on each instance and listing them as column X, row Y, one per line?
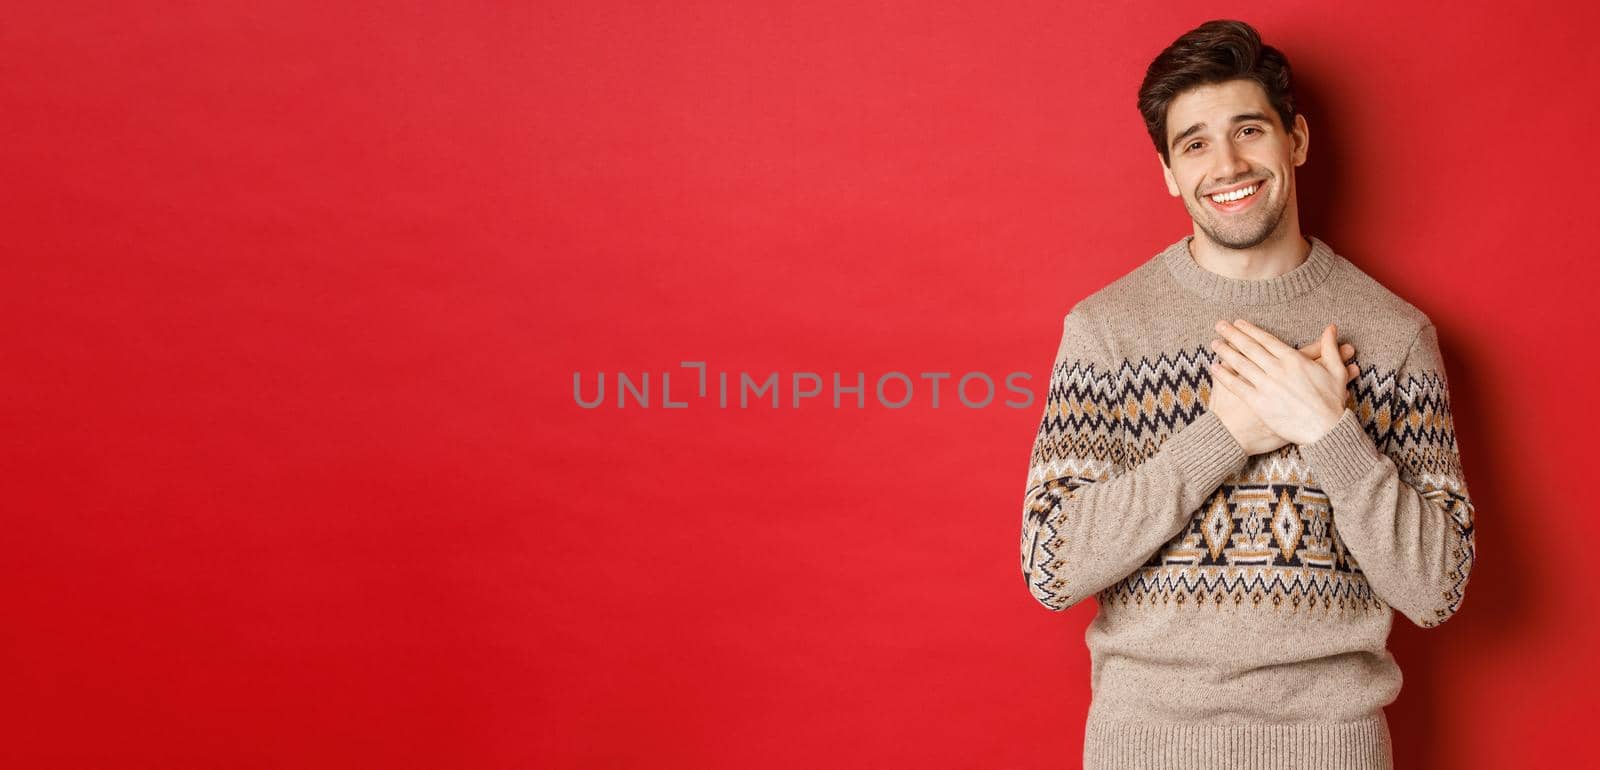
column 1356, row 288
column 1121, row 301
column 1092, row 323
column 1386, row 328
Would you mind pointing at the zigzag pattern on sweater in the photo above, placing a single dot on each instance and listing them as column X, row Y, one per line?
column 1076, row 445
column 1422, row 441
column 1265, row 537
column 1220, row 587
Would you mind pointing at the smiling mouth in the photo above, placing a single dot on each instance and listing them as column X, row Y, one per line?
column 1237, row 198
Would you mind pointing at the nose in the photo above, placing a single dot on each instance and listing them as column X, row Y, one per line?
column 1230, row 163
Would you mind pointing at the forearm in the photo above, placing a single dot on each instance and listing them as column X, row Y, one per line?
column 1415, row 545
column 1081, row 536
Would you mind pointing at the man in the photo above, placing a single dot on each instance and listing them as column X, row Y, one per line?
column 1247, row 511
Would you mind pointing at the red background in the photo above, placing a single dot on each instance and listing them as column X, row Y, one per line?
column 294, row 298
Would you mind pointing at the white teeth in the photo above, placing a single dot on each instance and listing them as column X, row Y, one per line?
column 1235, row 195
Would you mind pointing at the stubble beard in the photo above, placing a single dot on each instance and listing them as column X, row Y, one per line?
column 1249, row 231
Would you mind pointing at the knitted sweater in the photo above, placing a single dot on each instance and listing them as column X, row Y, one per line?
column 1243, row 601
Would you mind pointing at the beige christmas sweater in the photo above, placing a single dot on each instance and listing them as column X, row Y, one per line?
column 1243, row 601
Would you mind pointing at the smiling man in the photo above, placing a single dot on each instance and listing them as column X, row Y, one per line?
column 1248, row 499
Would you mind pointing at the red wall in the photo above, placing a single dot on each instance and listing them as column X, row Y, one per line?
column 293, row 471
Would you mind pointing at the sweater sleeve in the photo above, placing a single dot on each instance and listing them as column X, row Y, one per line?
column 1404, row 511
column 1089, row 521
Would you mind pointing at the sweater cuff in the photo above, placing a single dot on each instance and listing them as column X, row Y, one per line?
column 1342, row 455
column 1205, row 452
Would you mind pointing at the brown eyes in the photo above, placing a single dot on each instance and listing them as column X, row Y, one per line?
column 1246, row 128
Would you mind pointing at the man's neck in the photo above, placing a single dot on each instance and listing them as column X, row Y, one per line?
column 1269, row 259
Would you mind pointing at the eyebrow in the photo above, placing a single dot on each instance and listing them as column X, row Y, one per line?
column 1240, row 118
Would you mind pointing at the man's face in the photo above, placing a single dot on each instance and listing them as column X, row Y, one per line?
column 1226, row 137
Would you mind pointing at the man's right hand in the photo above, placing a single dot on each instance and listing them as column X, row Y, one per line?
column 1241, row 420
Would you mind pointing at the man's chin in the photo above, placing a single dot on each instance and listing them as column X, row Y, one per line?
column 1237, row 241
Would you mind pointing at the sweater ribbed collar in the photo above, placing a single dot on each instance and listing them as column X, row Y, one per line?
column 1264, row 291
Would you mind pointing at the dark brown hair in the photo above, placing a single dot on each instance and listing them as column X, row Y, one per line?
column 1217, row 51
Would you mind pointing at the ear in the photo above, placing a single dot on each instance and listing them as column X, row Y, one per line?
column 1172, row 184
column 1302, row 139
